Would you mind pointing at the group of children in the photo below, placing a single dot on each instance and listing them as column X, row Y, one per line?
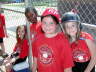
column 53, row 50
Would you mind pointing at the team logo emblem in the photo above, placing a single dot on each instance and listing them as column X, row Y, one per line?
column 80, row 56
column 46, row 56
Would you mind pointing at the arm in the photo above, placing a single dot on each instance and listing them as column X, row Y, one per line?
column 68, row 70
column 9, row 60
column 34, row 65
column 5, row 30
column 92, row 49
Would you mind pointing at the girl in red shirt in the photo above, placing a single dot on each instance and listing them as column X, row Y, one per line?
column 51, row 50
column 3, row 31
column 20, row 52
column 83, row 49
column 35, row 26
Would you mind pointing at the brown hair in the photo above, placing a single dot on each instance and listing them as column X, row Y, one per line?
column 17, row 36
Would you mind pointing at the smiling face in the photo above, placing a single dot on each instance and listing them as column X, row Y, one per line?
column 21, row 32
column 31, row 17
column 48, row 25
column 71, row 28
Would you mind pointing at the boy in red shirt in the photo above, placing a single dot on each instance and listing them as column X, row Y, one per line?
column 3, row 31
column 51, row 50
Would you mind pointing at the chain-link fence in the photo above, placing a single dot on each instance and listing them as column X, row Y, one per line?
column 85, row 8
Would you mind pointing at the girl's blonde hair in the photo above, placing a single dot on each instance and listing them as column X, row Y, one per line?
column 72, row 17
column 78, row 31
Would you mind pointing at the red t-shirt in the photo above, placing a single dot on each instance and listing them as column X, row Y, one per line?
column 80, row 51
column 35, row 29
column 2, row 23
column 53, row 54
column 23, row 48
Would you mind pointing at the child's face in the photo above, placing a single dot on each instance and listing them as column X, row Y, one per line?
column 32, row 17
column 21, row 32
column 48, row 25
column 71, row 28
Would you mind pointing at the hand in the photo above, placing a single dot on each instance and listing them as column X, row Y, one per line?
column 7, row 36
column 8, row 67
column 6, row 61
column 87, row 70
column 13, row 60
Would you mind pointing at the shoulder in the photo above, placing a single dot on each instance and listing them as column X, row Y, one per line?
column 1, row 15
column 88, row 39
column 87, row 35
column 38, row 25
column 62, row 38
column 61, row 35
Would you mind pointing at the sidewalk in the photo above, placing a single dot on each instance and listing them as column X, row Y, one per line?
column 10, row 41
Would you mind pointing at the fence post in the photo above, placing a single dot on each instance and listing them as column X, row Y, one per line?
column 29, row 3
column 30, row 45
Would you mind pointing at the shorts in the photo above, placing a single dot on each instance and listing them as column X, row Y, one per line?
column 80, row 67
column 24, row 70
column 1, row 40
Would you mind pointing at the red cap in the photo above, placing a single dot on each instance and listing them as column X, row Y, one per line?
column 51, row 11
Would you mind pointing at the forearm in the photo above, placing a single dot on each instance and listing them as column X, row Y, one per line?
column 68, row 70
column 5, row 30
column 91, row 65
column 34, row 66
column 92, row 49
